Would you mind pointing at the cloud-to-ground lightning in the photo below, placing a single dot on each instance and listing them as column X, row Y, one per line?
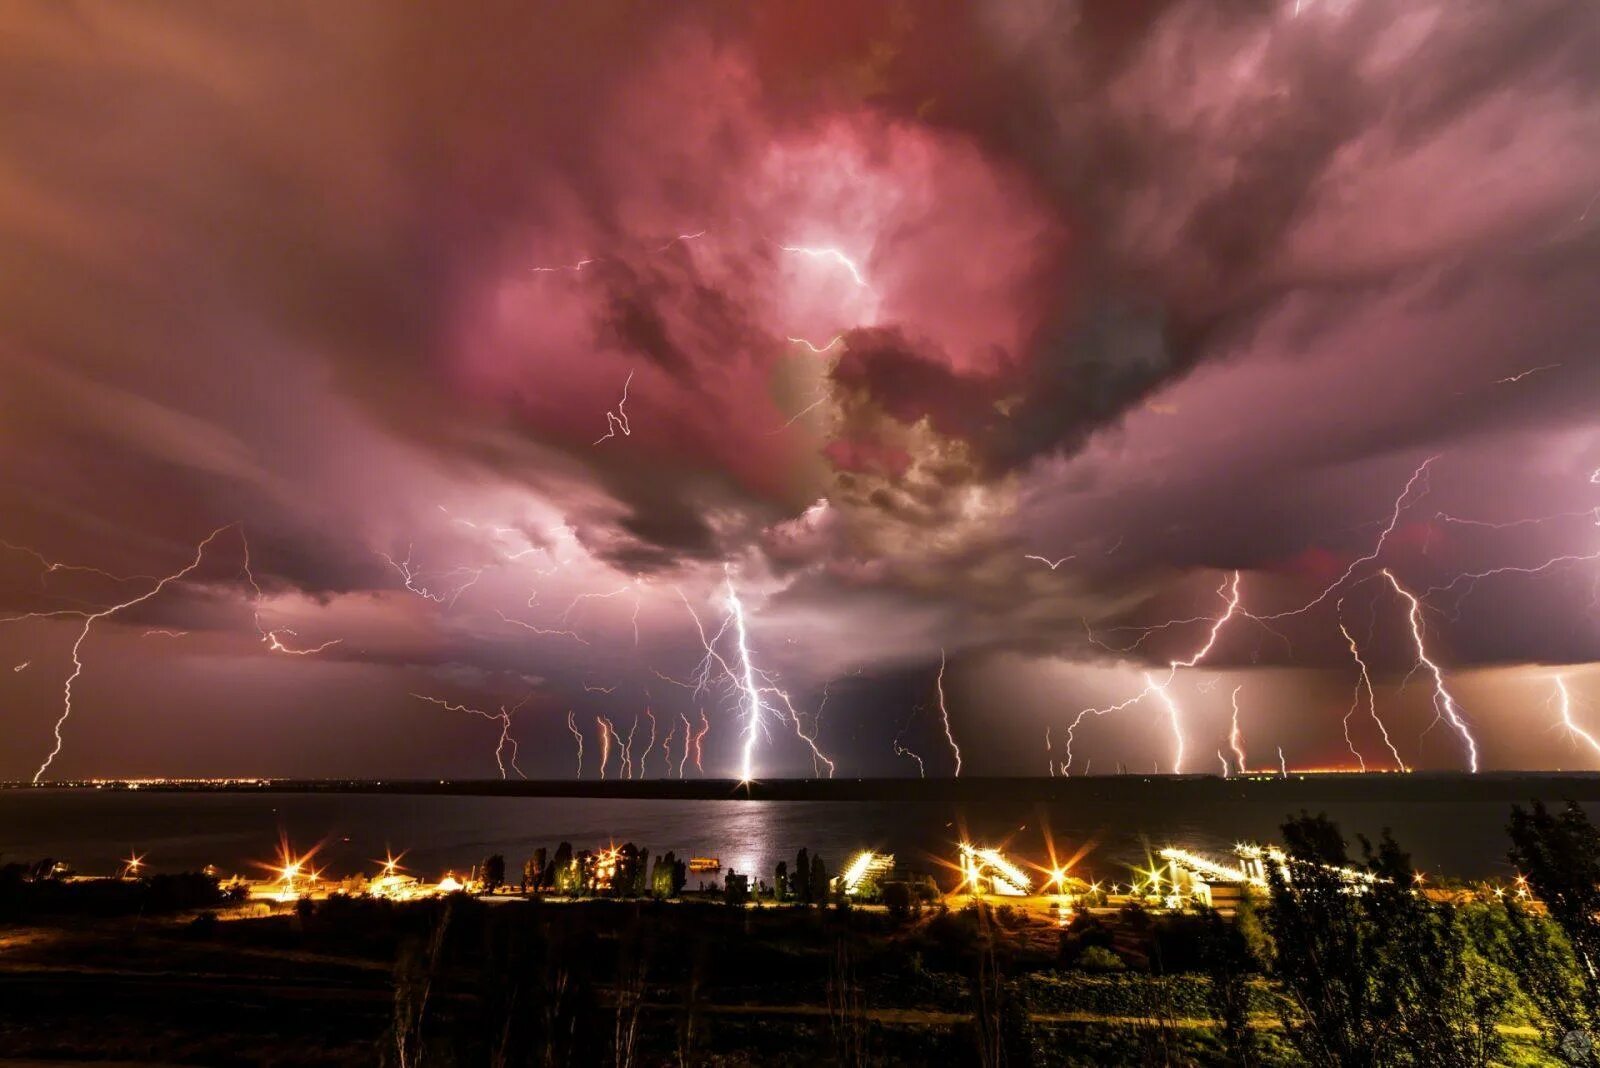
column 644, row 758
column 756, row 693
column 1564, row 704
column 1364, row 681
column 1235, row 735
column 1051, row 564
column 901, row 750
column 1283, row 765
column 617, row 421
column 1224, row 763
column 607, row 732
column 699, row 743
column 944, row 714
column 89, row 620
column 1152, row 686
column 1443, row 702
column 503, row 717
column 626, row 763
column 577, row 736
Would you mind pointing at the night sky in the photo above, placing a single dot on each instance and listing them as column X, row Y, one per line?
column 519, row 341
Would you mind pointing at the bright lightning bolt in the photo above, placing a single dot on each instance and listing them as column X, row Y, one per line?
column 819, row 351
column 413, row 579
column 577, row 736
column 1520, row 375
column 1564, row 702
column 1154, row 687
column 1365, row 682
column 1051, row 564
column 617, row 421
column 1443, row 702
column 1235, row 736
column 944, row 713
column 699, row 739
column 503, row 717
column 1419, row 475
column 644, row 765
column 607, row 731
column 830, row 254
column 901, row 750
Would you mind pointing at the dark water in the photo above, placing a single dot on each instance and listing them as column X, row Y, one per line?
column 235, row 832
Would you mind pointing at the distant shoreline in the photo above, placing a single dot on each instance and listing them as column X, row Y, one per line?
column 1297, row 788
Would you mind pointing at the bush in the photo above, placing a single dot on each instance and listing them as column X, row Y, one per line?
column 1100, row 959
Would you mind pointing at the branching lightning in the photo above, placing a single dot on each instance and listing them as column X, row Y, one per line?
column 1364, row 681
column 503, row 717
column 1051, row 564
column 1153, row 686
column 830, row 254
column 1444, row 704
column 1564, row 704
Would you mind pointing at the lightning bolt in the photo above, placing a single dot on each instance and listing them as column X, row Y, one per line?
column 627, row 750
column 617, row 421
column 577, row 736
column 1051, row 564
column 21, row 667
column 1224, row 763
column 1418, row 476
column 944, row 713
column 699, row 738
column 1365, row 682
column 1235, row 736
column 830, row 254
column 159, row 632
column 413, row 578
column 1564, row 700
column 644, row 759
column 89, row 620
column 270, row 637
column 1444, row 704
column 1283, row 767
column 607, row 732
column 901, row 750
column 1520, row 375
column 819, row 351
column 503, row 717
column 758, row 697
column 542, row 631
column 1152, row 686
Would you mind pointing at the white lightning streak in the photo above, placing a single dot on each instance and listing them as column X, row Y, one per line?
column 944, row 713
column 503, row 717
column 413, row 579
column 89, row 621
column 1520, row 375
column 1365, row 682
column 1565, row 703
column 617, row 421
column 1235, row 736
column 1443, row 703
column 1152, row 686
column 830, row 254
column 1420, row 474
column 826, row 348
column 578, row 736
column 1051, row 564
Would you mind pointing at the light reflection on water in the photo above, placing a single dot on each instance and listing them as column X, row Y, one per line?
column 92, row 830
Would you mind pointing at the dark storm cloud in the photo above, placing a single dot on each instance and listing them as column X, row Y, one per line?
column 1165, row 288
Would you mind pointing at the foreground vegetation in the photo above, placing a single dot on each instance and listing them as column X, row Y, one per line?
column 1317, row 974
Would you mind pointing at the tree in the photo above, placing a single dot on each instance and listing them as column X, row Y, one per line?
column 780, row 881
column 533, row 871
column 494, row 873
column 1228, row 963
column 817, row 884
column 1378, row 974
column 641, row 876
column 736, row 888
column 801, row 880
column 1552, row 956
column 897, row 896
column 627, row 870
